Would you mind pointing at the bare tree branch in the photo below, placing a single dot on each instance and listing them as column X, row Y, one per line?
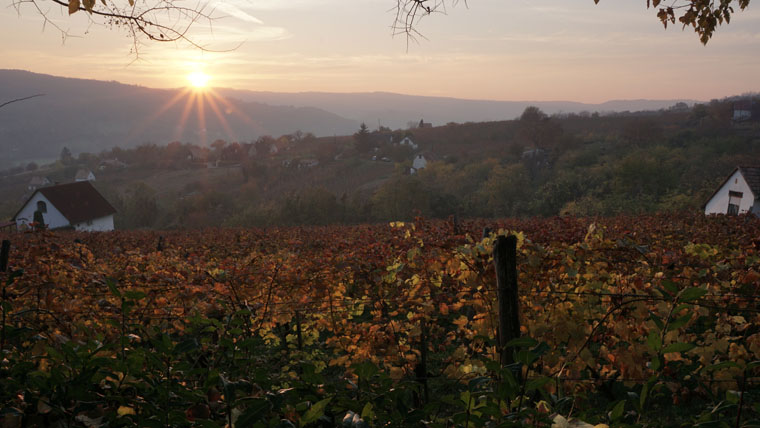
column 19, row 99
column 702, row 15
column 154, row 21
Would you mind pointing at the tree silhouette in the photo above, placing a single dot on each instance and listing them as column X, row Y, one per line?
column 362, row 140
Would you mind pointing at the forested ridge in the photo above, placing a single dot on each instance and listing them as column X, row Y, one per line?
column 536, row 165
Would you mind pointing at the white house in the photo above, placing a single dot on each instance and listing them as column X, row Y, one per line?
column 84, row 175
column 745, row 110
column 533, row 153
column 419, row 162
column 739, row 193
column 78, row 205
column 408, row 142
column 308, row 163
column 111, row 164
column 36, row 182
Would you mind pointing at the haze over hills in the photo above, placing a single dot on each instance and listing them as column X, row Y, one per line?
column 91, row 115
column 397, row 110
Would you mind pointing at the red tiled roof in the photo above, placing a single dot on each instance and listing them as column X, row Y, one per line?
column 78, row 201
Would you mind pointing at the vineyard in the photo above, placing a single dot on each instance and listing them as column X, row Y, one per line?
column 625, row 321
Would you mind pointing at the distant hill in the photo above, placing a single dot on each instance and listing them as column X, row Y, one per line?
column 91, row 115
column 396, row 110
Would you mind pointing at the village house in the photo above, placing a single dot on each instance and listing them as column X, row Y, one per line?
column 250, row 150
column 738, row 194
column 36, row 182
column 746, row 110
column 198, row 154
column 308, row 163
column 78, row 205
column 279, row 145
column 111, row 164
column 84, row 175
column 532, row 153
column 420, row 161
column 407, row 141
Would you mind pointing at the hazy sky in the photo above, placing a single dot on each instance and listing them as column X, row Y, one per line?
column 485, row 49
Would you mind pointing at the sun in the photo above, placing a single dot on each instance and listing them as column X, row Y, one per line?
column 198, row 79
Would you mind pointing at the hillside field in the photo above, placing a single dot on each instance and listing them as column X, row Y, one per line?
column 625, row 321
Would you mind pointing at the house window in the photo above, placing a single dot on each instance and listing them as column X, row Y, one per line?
column 734, row 199
column 41, row 206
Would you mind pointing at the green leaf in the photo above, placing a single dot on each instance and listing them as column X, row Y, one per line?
column 134, row 295
column 478, row 383
column 112, row 286
column 315, row 412
column 617, row 411
column 186, row 346
column 654, row 341
column 678, row 347
column 656, row 363
column 367, row 412
column 256, row 410
column 723, row 365
column 365, row 370
column 643, row 397
column 657, row 320
column 733, row 397
column 691, row 294
column 522, row 342
column 679, row 322
column 537, row 383
column 670, row 286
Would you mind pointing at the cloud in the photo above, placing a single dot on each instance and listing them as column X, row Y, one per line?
column 235, row 11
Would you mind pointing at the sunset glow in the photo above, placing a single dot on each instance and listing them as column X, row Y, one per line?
column 550, row 50
column 198, row 79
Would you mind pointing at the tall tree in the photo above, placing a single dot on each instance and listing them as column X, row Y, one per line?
column 538, row 129
column 66, row 156
column 362, row 139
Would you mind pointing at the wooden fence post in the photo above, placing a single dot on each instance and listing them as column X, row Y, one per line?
column 422, row 368
column 298, row 330
column 5, row 249
column 505, row 263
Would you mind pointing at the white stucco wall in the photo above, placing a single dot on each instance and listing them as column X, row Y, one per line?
column 408, row 142
column 53, row 217
column 102, row 224
column 742, row 114
column 419, row 162
column 719, row 203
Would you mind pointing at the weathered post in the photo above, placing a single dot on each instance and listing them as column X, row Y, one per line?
column 422, row 373
column 5, row 249
column 505, row 264
column 298, row 330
